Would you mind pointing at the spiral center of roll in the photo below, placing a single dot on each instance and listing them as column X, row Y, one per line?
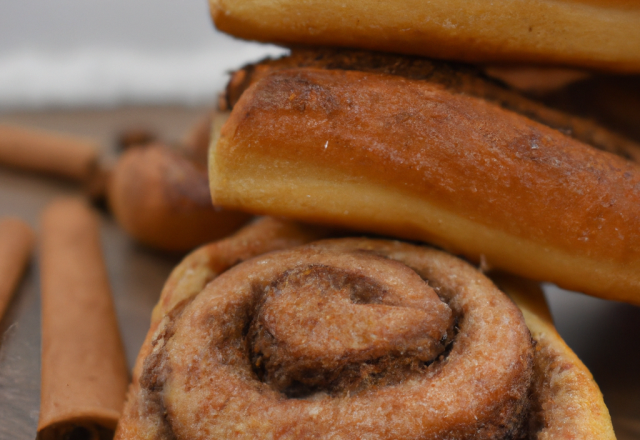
column 339, row 329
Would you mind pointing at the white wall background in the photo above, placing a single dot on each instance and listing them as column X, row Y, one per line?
column 113, row 52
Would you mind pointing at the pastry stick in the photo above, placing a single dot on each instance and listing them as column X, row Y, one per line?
column 66, row 156
column 588, row 33
column 16, row 244
column 411, row 159
column 84, row 373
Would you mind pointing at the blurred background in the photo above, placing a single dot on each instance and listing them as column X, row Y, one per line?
column 113, row 52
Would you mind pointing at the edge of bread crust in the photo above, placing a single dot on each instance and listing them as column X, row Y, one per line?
column 265, row 162
column 569, row 392
column 186, row 280
column 588, row 33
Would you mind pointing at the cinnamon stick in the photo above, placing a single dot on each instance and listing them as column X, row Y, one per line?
column 66, row 156
column 16, row 244
column 84, row 373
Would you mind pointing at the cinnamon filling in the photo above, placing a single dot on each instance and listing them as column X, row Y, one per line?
column 344, row 338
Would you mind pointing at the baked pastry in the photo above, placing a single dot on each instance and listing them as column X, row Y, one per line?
column 589, row 33
column 612, row 100
column 160, row 196
column 406, row 151
column 190, row 277
column 564, row 389
column 457, row 78
column 345, row 339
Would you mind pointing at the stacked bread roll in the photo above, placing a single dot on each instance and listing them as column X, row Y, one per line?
column 362, row 338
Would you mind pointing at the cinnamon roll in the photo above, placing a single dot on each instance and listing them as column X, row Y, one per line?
column 343, row 338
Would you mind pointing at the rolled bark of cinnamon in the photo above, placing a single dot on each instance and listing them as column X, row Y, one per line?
column 84, row 373
column 16, row 244
column 66, row 156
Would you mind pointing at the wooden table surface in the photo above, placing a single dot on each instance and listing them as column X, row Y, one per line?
column 605, row 335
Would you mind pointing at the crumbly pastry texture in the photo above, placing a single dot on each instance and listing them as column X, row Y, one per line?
column 436, row 161
column 563, row 388
column 350, row 338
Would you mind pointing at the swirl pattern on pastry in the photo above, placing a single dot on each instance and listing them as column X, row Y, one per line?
column 348, row 338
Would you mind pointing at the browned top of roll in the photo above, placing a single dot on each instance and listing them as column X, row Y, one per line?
column 463, row 155
column 455, row 77
column 602, row 189
column 591, row 33
column 346, row 338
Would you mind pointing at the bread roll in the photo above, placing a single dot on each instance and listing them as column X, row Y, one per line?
column 586, row 33
column 344, row 338
column 410, row 158
column 161, row 197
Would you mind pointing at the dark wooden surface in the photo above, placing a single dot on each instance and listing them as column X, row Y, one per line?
column 606, row 335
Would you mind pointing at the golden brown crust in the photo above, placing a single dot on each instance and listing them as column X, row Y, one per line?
column 365, row 316
column 410, row 159
column 593, row 33
column 161, row 198
column 189, row 278
column 568, row 401
column 456, row 78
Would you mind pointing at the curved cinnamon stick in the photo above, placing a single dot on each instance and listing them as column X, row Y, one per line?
column 84, row 373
